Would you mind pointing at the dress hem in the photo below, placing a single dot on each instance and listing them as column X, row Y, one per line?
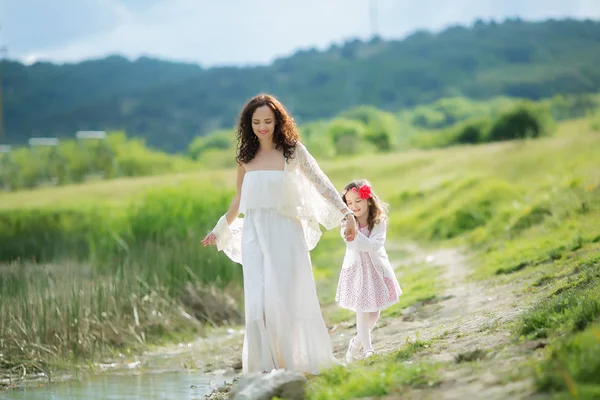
column 374, row 309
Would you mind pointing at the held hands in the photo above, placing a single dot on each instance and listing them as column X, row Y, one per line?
column 351, row 229
column 209, row 240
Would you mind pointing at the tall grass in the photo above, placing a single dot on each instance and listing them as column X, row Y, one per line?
column 78, row 283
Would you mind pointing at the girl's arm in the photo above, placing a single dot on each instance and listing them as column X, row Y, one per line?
column 374, row 242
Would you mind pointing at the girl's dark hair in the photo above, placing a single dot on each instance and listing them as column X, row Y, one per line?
column 285, row 135
column 377, row 208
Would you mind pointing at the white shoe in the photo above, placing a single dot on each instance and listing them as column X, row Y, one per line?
column 353, row 352
column 367, row 354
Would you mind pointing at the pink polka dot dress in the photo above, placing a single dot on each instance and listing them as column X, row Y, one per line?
column 362, row 287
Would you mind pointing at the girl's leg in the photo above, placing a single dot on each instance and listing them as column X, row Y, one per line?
column 363, row 331
column 373, row 318
column 353, row 347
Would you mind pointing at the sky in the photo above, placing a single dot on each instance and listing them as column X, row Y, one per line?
column 237, row 32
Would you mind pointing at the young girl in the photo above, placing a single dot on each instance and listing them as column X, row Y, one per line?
column 367, row 282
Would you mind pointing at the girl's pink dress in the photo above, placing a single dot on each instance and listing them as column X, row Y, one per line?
column 361, row 287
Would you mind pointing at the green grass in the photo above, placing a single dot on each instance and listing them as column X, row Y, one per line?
column 376, row 376
column 569, row 318
column 572, row 365
column 572, row 306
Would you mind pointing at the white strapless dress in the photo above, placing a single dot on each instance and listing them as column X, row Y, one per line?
column 284, row 324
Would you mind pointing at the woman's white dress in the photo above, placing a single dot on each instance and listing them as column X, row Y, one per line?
column 284, row 324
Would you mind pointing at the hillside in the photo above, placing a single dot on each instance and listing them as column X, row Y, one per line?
column 169, row 103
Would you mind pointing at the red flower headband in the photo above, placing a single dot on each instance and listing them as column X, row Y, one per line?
column 364, row 192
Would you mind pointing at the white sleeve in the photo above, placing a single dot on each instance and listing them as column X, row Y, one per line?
column 310, row 168
column 372, row 243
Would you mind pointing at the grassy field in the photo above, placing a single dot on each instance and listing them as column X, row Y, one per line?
column 524, row 208
column 527, row 210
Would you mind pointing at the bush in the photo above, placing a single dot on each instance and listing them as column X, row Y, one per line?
column 472, row 132
column 568, row 107
column 379, row 137
column 347, row 136
column 219, row 140
column 72, row 162
column 520, row 123
column 379, row 127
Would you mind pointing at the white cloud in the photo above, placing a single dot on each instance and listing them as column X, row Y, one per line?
column 241, row 31
column 33, row 25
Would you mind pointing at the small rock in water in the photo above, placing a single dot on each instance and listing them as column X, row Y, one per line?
column 221, row 393
column 277, row 383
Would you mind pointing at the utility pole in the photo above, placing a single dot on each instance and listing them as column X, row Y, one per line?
column 3, row 51
column 373, row 15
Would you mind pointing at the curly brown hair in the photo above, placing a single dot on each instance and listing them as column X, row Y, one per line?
column 285, row 135
column 377, row 208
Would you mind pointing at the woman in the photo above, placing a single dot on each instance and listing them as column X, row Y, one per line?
column 284, row 196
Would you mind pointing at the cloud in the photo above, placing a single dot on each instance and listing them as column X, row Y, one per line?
column 32, row 25
column 240, row 31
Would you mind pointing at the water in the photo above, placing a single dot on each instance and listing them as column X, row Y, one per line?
column 162, row 374
column 168, row 385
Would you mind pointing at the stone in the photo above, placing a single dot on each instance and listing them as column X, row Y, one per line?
column 277, row 383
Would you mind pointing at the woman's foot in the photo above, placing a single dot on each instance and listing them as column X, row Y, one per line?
column 353, row 352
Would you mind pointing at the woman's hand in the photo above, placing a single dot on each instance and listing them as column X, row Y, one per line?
column 351, row 229
column 209, row 240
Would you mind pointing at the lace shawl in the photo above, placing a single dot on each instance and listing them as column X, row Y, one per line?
column 308, row 195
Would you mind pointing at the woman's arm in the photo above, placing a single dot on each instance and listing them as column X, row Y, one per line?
column 232, row 212
column 309, row 166
column 234, row 207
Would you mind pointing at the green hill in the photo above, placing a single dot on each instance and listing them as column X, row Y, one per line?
column 169, row 103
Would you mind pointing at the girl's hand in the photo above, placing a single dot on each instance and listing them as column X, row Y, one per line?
column 350, row 231
column 209, row 240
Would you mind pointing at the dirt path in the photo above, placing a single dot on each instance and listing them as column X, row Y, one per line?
column 469, row 322
column 468, row 327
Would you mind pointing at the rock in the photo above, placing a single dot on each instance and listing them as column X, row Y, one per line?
column 237, row 365
column 221, row 393
column 281, row 383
